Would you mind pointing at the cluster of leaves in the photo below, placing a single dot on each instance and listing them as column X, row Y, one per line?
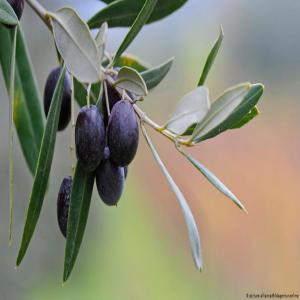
column 195, row 118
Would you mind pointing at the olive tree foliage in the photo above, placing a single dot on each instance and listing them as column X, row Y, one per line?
column 95, row 77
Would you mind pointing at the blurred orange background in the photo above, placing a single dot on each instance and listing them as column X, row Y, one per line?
column 140, row 250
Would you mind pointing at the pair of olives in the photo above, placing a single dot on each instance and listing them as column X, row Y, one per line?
column 105, row 144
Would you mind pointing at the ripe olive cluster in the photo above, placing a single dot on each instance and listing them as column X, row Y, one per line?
column 106, row 142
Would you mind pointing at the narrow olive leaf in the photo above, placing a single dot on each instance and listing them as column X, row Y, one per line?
column 248, row 102
column 130, row 80
column 101, row 39
column 154, row 76
column 211, row 58
column 122, row 13
column 11, row 132
column 254, row 112
column 137, row 25
column 188, row 216
column 25, row 121
column 76, row 45
column 7, row 14
column 81, row 195
column 191, row 109
column 220, row 110
column 212, row 179
column 43, row 168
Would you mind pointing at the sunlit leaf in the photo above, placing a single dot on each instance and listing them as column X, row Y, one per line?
column 137, row 25
column 220, row 110
column 81, row 195
column 130, row 80
column 7, row 14
column 188, row 216
column 155, row 75
column 213, row 179
column 191, row 109
column 211, row 58
column 249, row 100
column 76, row 45
column 43, row 168
column 122, row 13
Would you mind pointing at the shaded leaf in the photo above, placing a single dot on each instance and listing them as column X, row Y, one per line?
column 130, row 80
column 122, row 13
column 137, row 25
column 155, row 75
column 246, row 119
column 188, row 216
column 27, row 108
column 101, row 38
column 213, row 179
column 211, row 58
column 76, row 45
column 191, row 109
column 81, row 195
column 43, row 168
column 7, row 14
column 220, row 110
column 249, row 100
column 129, row 60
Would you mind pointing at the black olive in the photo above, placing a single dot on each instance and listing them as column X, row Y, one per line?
column 122, row 134
column 63, row 202
column 89, row 137
column 65, row 112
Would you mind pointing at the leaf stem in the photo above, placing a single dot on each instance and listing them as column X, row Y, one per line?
column 40, row 11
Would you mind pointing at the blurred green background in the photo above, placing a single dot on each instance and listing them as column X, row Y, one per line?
column 140, row 249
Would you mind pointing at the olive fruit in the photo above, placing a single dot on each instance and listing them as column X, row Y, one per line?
column 109, row 180
column 63, row 202
column 89, row 137
column 17, row 6
column 65, row 113
column 122, row 134
column 113, row 98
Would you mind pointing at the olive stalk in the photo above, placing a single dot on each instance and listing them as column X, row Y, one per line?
column 44, row 15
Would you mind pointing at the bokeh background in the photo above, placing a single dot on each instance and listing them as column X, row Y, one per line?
column 140, row 249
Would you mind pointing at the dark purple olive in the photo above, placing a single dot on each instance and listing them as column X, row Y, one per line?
column 113, row 98
column 110, row 181
column 65, row 113
column 18, row 7
column 63, row 202
column 89, row 137
column 122, row 134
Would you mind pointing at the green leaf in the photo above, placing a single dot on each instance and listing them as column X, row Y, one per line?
column 211, row 58
column 81, row 195
column 246, row 119
column 122, row 13
column 129, row 60
column 188, row 216
column 220, row 110
column 130, row 80
column 43, row 168
column 101, row 38
column 154, row 76
column 191, row 109
column 76, row 45
column 249, row 100
column 213, row 179
column 137, row 25
column 28, row 117
column 7, row 14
